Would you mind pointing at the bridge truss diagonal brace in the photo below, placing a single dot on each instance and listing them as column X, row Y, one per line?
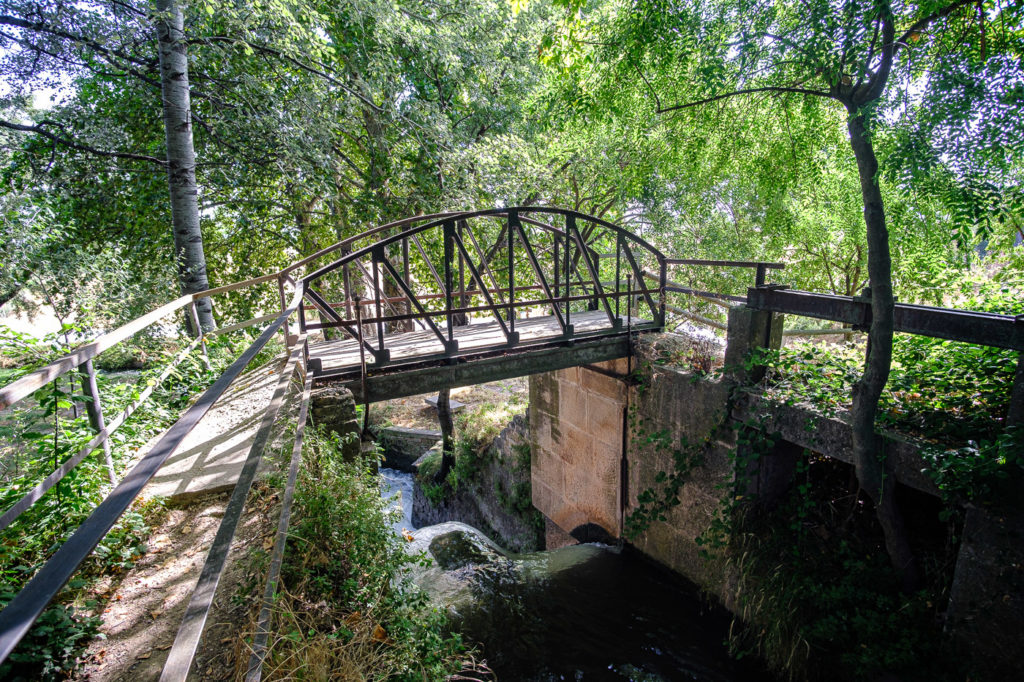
column 535, row 264
column 450, row 346
column 511, row 337
column 574, row 233
column 638, row 274
column 484, row 267
column 322, row 305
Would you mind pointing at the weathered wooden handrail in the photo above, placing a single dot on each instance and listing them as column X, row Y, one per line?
column 967, row 326
column 259, row 642
column 22, row 611
column 182, row 653
column 32, row 382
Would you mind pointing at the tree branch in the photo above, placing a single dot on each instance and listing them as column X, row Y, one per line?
column 263, row 49
column 924, row 22
column 68, row 142
column 99, row 48
column 745, row 91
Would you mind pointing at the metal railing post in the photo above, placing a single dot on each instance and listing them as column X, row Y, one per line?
column 95, row 410
column 662, row 283
column 558, row 286
column 512, row 216
column 570, row 222
column 375, row 263
column 448, row 229
column 202, row 339
column 463, row 299
column 618, row 271
column 407, row 275
column 346, row 277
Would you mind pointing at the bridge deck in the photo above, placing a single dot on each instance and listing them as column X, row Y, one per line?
column 593, row 339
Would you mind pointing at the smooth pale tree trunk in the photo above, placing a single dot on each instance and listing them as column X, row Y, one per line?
column 867, row 446
column 181, row 156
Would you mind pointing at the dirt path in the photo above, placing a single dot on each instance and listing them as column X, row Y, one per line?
column 147, row 603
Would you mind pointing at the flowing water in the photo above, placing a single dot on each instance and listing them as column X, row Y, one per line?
column 588, row 612
column 396, row 488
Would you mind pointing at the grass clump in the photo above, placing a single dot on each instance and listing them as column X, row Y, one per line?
column 346, row 614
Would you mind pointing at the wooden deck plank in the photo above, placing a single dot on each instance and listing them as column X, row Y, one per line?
column 341, row 355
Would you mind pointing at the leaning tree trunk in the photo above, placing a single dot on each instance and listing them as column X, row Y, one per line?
column 181, row 157
column 867, row 447
column 444, row 416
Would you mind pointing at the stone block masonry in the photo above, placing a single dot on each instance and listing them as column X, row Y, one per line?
column 333, row 408
column 577, row 419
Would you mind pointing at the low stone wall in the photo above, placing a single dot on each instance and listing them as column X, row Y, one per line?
column 402, row 446
column 486, row 502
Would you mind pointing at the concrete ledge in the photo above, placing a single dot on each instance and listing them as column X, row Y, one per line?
column 831, row 436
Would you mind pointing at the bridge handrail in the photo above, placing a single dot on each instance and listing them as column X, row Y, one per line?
column 26, row 607
column 393, row 239
column 348, row 241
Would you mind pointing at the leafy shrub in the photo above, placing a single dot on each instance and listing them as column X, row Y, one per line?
column 346, row 604
column 51, row 648
column 819, row 594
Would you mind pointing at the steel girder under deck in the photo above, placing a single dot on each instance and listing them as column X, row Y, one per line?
column 414, row 374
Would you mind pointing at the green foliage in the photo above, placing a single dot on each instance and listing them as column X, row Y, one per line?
column 819, row 594
column 979, row 471
column 342, row 566
column 51, row 648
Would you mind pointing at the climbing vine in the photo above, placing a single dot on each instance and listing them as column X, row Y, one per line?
column 813, row 587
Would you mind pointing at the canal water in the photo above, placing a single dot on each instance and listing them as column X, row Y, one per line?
column 592, row 613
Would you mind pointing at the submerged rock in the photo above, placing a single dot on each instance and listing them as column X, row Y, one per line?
column 491, row 596
column 584, row 612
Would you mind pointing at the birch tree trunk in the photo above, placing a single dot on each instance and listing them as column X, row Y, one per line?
column 181, row 157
